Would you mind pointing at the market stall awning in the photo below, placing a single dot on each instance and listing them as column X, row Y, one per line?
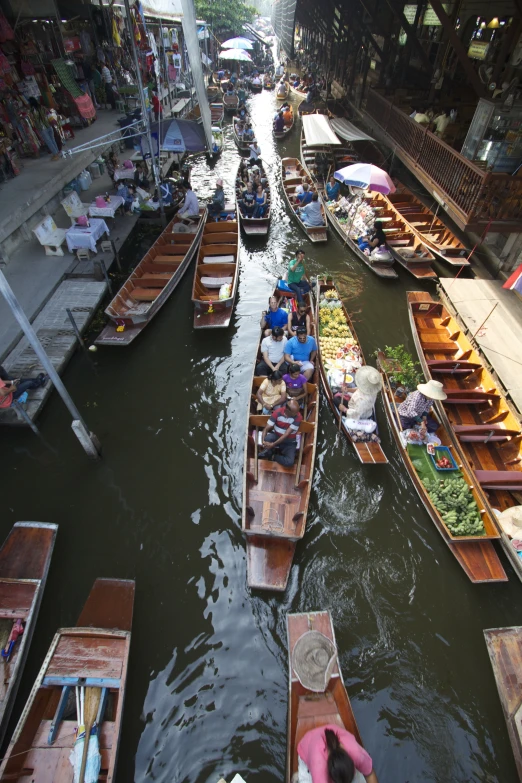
column 318, row 131
column 349, row 132
column 176, row 136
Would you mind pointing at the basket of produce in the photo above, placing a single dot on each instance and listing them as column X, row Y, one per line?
column 442, row 459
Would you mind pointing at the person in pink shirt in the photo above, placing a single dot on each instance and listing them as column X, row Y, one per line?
column 331, row 754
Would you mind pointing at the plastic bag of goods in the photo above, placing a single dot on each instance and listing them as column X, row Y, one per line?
column 380, row 254
column 365, row 425
column 225, row 291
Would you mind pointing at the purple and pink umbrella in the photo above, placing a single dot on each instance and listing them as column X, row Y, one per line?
column 367, row 176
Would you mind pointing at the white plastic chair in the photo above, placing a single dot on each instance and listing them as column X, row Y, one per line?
column 74, row 207
column 50, row 236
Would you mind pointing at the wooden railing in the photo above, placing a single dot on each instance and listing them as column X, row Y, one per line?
column 476, row 196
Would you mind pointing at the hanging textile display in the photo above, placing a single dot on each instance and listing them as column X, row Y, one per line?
column 115, row 34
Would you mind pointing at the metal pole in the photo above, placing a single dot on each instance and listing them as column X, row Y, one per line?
column 75, row 329
column 144, row 113
column 103, row 268
column 12, row 301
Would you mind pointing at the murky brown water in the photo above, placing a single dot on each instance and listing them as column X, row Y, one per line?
column 207, row 693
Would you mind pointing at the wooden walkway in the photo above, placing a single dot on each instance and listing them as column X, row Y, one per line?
column 499, row 338
column 55, row 332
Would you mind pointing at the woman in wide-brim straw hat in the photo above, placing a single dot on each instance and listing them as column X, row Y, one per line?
column 416, row 407
column 361, row 402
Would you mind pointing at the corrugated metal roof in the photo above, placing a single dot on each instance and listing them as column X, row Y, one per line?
column 349, row 132
column 318, row 130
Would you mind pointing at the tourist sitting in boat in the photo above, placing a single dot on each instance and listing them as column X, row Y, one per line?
column 221, row 75
column 287, row 115
column 331, row 753
column 311, row 215
column 274, row 316
column 248, row 134
column 358, row 402
column 190, row 206
column 230, row 90
column 415, row 409
column 302, row 350
column 217, row 205
column 374, row 239
column 279, row 436
column 298, row 318
column 305, row 197
column 295, row 383
column 255, row 153
column 272, row 393
column 261, row 201
column 241, row 94
column 333, row 189
column 281, row 88
column 296, row 276
column 279, row 123
column 273, row 353
column 240, row 129
column 247, row 203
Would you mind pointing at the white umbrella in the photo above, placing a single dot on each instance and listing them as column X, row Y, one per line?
column 235, row 54
column 237, row 43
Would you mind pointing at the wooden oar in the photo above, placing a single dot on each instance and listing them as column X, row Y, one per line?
column 92, row 703
column 301, row 447
column 256, row 434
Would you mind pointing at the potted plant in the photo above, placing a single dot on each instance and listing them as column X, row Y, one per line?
column 403, row 371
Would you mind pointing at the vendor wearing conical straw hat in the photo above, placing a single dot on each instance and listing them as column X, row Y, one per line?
column 417, row 406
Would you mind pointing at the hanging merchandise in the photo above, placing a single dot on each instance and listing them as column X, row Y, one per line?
column 6, row 31
column 115, row 34
column 5, row 66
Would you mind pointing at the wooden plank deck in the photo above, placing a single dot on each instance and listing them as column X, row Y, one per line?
column 505, row 651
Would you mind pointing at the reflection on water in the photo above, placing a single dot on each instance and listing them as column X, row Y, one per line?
column 207, row 692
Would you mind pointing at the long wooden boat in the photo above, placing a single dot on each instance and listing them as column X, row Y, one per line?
column 371, row 452
column 307, row 709
column 93, row 655
column 475, row 554
column 297, row 91
column 217, row 265
column 217, row 112
column 485, row 430
column 293, row 175
column 230, row 103
column 286, row 92
column 243, row 146
column 25, row 557
column 505, row 652
column 429, row 228
column 276, row 498
column 257, row 86
column 152, row 282
column 254, row 226
column 268, row 82
column 286, row 130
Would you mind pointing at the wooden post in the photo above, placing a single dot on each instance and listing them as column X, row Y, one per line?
column 88, row 440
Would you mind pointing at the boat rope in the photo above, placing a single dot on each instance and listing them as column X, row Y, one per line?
column 25, row 752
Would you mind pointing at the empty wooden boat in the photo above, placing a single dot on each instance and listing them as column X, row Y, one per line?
column 217, row 266
column 485, row 430
column 25, row 557
column 254, row 226
column 152, row 282
column 275, row 497
column 217, row 113
column 475, row 554
column 505, row 652
column 230, row 103
column 92, row 656
column 243, row 146
column 369, row 452
column 293, row 175
column 286, row 130
column 308, row 709
column 429, row 228
column 280, row 94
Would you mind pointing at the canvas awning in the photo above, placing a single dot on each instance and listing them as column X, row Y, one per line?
column 318, row 131
column 349, row 132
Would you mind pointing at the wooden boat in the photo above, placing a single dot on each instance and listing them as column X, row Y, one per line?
column 429, row 228
column 297, row 91
column 149, row 216
column 369, row 453
column 243, row 146
column 293, row 175
column 256, row 86
column 308, row 709
column 254, row 226
column 268, row 82
column 214, row 93
column 505, row 652
column 485, row 430
column 304, row 107
column 25, row 557
column 284, row 96
column 152, row 281
column 282, row 134
column 217, row 112
column 275, row 498
column 217, row 264
column 476, row 555
column 94, row 654
column 230, row 103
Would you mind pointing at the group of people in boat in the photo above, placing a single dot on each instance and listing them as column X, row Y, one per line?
column 283, row 118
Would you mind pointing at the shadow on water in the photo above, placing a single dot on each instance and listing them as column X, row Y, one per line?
column 207, row 693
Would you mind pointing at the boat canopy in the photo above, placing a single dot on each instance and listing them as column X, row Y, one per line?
column 318, row 130
column 349, row 132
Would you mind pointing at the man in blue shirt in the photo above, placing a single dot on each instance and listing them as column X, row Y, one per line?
column 275, row 316
column 302, row 350
column 305, row 197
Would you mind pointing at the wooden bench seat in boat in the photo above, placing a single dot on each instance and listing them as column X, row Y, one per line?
column 452, row 366
column 469, row 396
column 145, row 294
column 499, row 479
column 215, row 282
column 484, row 429
column 219, row 259
column 439, row 347
column 154, row 279
column 167, row 259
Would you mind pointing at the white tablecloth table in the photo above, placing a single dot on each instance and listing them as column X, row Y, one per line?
column 78, row 236
column 123, row 173
column 108, row 210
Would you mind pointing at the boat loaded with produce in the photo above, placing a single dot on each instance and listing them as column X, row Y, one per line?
column 443, row 480
column 340, row 357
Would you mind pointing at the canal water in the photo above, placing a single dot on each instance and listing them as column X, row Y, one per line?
column 208, row 679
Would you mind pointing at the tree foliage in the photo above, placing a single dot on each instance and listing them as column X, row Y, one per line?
column 227, row 15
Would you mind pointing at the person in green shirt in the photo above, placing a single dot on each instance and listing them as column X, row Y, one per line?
column 296, row 277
